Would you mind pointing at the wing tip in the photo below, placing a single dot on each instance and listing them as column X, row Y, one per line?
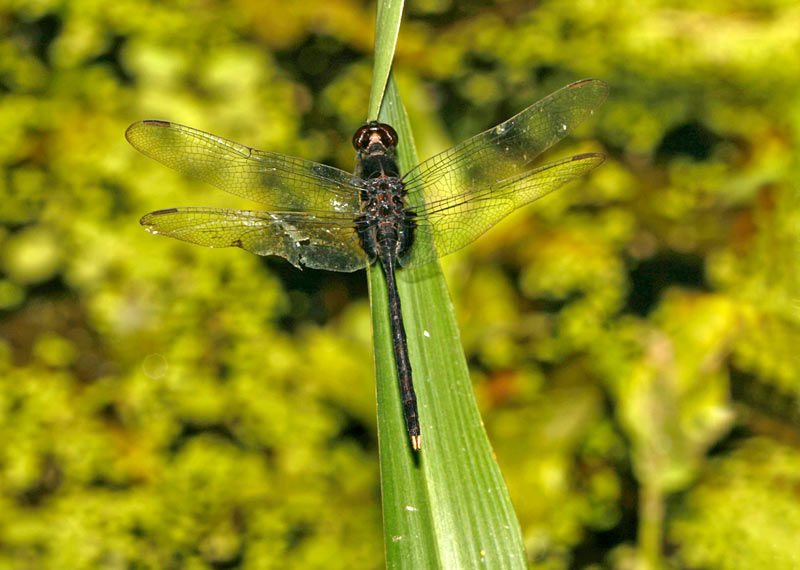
column 598, row 84
column 589, row 81
column 147, row 219
column 598, row 157
column 156, row 123
column 131, row 130
column 151, row 123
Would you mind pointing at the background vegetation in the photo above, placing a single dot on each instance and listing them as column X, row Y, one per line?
column 633, row 338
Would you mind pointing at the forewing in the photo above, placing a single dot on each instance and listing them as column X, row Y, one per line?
column 507, row 149
column 279, row 181
column 455, row 221
column 319, row 241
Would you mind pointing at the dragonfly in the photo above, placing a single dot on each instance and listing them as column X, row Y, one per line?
column 321, row 217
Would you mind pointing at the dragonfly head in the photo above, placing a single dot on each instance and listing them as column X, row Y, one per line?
column 372, row 134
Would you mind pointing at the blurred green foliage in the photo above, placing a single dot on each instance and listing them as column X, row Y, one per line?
column 634, row 338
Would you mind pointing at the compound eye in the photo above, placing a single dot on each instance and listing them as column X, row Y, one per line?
column 364, row 136
column 361, row 138
column 388, row 136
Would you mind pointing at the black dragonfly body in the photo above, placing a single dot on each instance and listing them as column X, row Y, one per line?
column 325, row 218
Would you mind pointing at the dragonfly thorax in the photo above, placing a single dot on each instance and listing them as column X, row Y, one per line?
column 385, row 225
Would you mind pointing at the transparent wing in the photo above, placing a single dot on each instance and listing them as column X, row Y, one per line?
column 279, row 181
column 319, row 241
column 453, row 222
column 507, row 149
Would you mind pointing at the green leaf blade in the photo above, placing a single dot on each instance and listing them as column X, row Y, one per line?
column 387, row 28
column 449, row 500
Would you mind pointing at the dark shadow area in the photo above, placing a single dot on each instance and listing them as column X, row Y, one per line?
column 296, row 535
column 315, row 295
column 765, row 409
column 109, row 485
column 553, row 306
column 316, row 61
column 354, row 429
column 39, row 34
column 190, row 429
column 691, row 139
column 48, row 482
column 731, row 442
column 445, row 15
column 52, row 307
column 768, row 398
column 111, row 58
column 120, row 201
column 234, row 562
column 596, row 544
column 650, row 277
